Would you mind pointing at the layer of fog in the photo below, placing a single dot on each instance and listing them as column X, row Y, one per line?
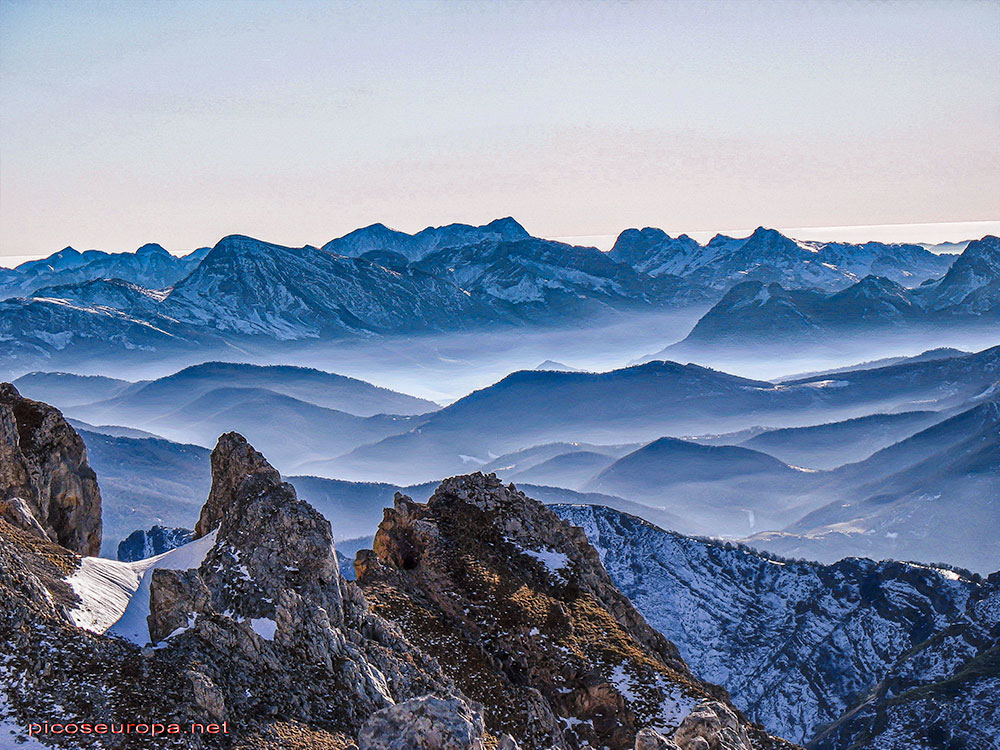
column 445, row 367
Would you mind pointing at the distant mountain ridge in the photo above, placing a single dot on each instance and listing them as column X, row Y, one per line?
column 150, row 266
column 634, row 404
column 759, row 312
column 378, row 238
column 268, row 402
column 770, row 257
column 932, row 494
column 377, row 281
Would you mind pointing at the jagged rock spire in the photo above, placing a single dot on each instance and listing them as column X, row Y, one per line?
column 234, row 463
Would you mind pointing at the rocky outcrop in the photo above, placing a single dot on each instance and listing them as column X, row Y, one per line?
column 515, row 636
column 155, row 541
column 519, row 611
column 267, row 626
column 234, row 461
column 46, row 483
column 712, row 726
column 428, row 722
column 265, row 635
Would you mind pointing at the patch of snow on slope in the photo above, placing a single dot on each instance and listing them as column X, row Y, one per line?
column 104, row 587
column 264, row 627
column 12, row 733
column 132, row 625
column 676, row 706
column 623, row 683
column 553, row 561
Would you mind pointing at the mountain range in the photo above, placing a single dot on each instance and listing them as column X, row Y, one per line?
column 640, row 403
column 769, row 257
column 755, row 313
column 330, row 414
column 845, row 466
column 244, row 294
column 477, row 618
column 931, row 495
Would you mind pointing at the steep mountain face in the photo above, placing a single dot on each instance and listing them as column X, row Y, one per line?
column 972, row 284
column 928, row 709
column 752, row 313
column 155, row 541
column 873, row 299
column 34, row 331
column 770, row 257
column 248, row 287
column 759, row 310
column 550, row 279
column 123, row 296
column 46, row 485
column 906, row 264
column 378, row 238
column 654, row 252
column 859, row 645
column 517, row 608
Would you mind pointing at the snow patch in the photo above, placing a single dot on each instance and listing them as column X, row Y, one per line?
column 553, row 561
column 12, row 733
column 105, row 588
column 132, row 625
column 264, row 627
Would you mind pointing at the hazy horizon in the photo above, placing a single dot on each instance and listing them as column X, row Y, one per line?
column 181, row 122
column 928, row 234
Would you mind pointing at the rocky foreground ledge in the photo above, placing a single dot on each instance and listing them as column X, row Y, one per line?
column 481, row 621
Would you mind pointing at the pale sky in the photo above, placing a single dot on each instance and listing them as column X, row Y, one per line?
column 123, row 123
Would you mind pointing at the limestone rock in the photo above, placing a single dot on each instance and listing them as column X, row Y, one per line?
column 650, row 739
column 175, row 597
column 518, row 609
column 43, row 467
column 268, row 620
column 713, row 726
column 235, row 464
column 427, row 723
